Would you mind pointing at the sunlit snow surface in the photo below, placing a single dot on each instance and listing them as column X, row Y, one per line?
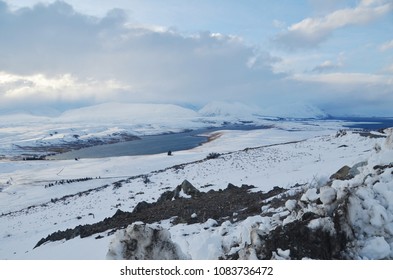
column 289, row 154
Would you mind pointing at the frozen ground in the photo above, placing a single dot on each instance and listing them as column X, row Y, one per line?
column 39, row 198
column 294, row 156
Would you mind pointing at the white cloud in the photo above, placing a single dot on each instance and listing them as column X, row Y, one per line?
column 327, row 65
column 19, row 91
column 386, row 46
column 346, row 79
column 310, row 32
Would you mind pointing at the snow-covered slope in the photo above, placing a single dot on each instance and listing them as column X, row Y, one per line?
column 229, row 110
column 302, row 168
column 295, row 111
column 127, row 113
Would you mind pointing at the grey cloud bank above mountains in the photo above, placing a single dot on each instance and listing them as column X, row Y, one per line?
column 58, row 57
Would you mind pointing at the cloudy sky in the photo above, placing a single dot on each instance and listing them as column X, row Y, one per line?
column 335, row 54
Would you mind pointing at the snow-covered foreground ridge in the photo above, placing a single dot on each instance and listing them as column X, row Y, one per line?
column 292, row 205
column 350, row 216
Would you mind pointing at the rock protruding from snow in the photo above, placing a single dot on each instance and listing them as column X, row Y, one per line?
column 143, row 242
column 342, row 174
column 185, row 189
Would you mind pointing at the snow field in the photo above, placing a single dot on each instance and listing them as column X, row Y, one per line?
column 305, row 162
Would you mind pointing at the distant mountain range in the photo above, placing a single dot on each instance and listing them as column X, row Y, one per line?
column 140, row 112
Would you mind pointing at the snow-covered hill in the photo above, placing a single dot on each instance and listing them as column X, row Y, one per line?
column 127, row 113
column 308, row 199
column 295, row 111
column 229, row 110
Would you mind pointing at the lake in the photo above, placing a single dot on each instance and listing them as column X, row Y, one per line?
column 153, row 144
column 156, row 144
column 368, row 123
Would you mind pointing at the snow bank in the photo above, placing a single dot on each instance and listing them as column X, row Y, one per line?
column 375, row 248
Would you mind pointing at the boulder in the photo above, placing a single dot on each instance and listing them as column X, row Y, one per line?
column 144, row 242
column 186, row 188
column 342, row 174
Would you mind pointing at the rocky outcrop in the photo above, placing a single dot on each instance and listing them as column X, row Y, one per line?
column 185, row 190
column 219, row 205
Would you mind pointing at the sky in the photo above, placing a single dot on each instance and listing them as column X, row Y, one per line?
column 336, row 54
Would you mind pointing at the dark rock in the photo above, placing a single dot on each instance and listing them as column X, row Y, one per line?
column 342, row 174
column 187, row 188
column 213, row 204
column 383, row 167
column 303, row 242
column 213, row 156
column 248, row 187
column 140, row 207
column 166, row 196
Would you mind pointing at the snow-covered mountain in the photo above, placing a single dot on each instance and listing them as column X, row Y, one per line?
column 233, row 110
column 229, row 110
column 127, row 113
column 296, row 110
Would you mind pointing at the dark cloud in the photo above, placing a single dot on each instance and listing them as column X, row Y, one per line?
column 162, row 66
column 57, row 57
